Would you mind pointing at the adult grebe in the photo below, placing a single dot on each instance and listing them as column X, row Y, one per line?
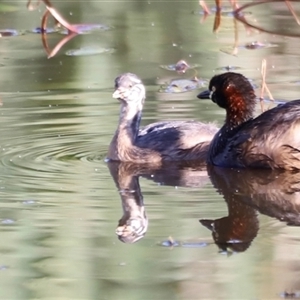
column 271, row 140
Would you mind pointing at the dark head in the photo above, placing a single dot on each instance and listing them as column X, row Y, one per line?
column 234, row 92
column 129, row 89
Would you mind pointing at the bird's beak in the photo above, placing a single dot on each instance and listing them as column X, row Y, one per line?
column 204, row 95
column 118, row 93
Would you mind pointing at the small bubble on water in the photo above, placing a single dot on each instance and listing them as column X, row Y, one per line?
column 122, row 264
column 174, row 45
column 28, row 202
column 50, row 105
column 7, row 221
column 152, row 24
column 71, row 14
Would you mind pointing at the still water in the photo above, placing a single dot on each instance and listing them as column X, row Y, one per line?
column 61, row 203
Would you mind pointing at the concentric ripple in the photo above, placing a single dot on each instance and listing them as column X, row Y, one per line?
column 41, row 147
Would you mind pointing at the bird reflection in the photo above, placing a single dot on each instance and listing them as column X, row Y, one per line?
column 134, row 222
column 273, row 193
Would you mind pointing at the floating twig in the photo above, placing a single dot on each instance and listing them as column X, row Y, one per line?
column 292, row 11
column 55, row 14
column 240, row 17
column 264, row 85
column 205, row 8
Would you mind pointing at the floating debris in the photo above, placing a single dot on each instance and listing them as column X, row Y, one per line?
column 40, row 30
column 9, row 32
column 85, row 51
column 228, row 68
column 249, row 46
column 290, row 295
column 87, row 28
column 170, row 242
column 182, row 85
column 180, row 67
column 258, row 45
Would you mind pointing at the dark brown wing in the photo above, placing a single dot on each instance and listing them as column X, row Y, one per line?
column 177, row 140
column 271, row 140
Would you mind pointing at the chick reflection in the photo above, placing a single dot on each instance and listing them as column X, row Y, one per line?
column 273, row 193
column 134, row 222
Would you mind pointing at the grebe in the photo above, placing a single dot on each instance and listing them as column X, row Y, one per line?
column 271, row 140
column 157, row 142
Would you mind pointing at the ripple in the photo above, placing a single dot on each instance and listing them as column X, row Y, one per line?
column 47, row 154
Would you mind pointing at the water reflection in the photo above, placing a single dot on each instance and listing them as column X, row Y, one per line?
column 134, row 222
column 246, row 192
column 273, row 193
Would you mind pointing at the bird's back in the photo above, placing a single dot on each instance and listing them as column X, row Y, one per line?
column 271, row 140
column 177, row 140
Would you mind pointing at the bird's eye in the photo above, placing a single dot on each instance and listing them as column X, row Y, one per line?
column 130, row 86
column 211, row 94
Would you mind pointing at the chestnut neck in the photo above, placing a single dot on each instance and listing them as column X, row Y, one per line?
column 240, row 107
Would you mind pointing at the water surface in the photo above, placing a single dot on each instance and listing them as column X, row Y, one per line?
column 60, row 206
